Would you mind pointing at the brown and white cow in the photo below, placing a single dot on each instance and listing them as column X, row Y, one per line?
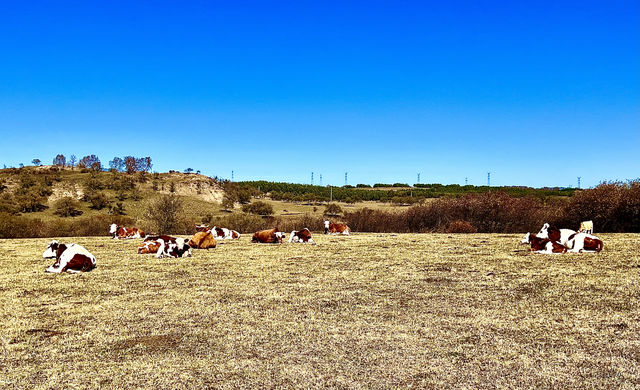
column 165, row 246
column 303, row 236
column 554, row 234
column 584, row 242
column 336, row 228
column 202, row 240
column 543, row 245
column 72, row 258
column 270, row 236
column 202, row 228
column 178, row 248
column 122, row 232
column 224, row 233
column 151, row 244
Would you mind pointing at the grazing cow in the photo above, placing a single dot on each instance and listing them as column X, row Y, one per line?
column 554, row 234
column 202, row 240
column 336, row 228
column 177, row 248
column 151, row 244
column 72, row 258
column 224, row 233
column 270, row 236
column 303, row 235
column 121, row 232
column 584, row 242
column 543, row 245
column 586, row 227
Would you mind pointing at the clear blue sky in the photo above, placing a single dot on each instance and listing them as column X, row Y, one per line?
column 538, row 93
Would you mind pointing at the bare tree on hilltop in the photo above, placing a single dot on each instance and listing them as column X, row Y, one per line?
column 117, row 164
column 91, row 161
column 133, row 164
column 60, row 160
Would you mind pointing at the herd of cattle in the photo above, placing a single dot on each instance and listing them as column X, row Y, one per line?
column 75, row 258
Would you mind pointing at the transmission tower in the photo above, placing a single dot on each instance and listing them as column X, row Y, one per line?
column 321, row 180
column 231, row 175
column 418, row 178
column 579, row 181
column 488, row 179
column 345, row 178
column 311, row 178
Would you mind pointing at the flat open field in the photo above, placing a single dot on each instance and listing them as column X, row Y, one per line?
column 370, row 310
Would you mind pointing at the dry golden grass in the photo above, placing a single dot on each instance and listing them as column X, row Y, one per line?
column 407, row 311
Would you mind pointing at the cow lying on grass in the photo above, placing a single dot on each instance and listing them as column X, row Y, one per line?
column 270, row 236
column 165, row 246
column 336, row 228
column 303, row 236
column 584, row 242
column 122, row 232
column 554, row 234
column 72, row 258
column 203, row 240
column 543, row 245
column 218, row 232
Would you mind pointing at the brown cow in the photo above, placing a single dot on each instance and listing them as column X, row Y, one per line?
column 336, row 228
column 269, row 236
column 202, row 240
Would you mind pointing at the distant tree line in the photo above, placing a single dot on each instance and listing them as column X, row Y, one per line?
column 401, row 193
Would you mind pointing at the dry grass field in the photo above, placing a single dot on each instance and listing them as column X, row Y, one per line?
column 366, row 311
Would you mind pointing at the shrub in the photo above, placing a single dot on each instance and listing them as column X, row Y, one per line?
column 164, row 214
column 67, row 207
column 98, row 200
column 258, row 207
column 117, row 209
column 461, row 227
column 332, row 209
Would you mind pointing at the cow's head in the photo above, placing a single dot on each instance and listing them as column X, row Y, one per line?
column 51, row 251
column 526, row 239
column 326, row 227
column 544, row 232
column 180, row 248
column 113, row 229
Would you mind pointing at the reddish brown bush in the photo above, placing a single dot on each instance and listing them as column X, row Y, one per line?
column 461, row 227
